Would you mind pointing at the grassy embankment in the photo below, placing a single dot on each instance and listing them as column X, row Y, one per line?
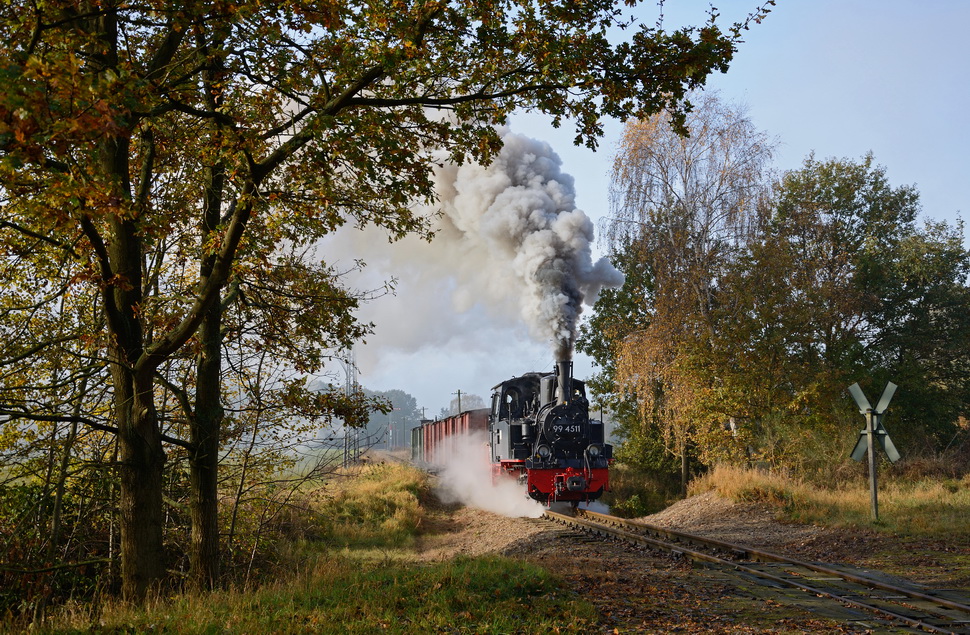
column 359, row 575
column 909, row 506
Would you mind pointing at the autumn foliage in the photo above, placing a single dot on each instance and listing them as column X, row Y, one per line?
column 753, row 301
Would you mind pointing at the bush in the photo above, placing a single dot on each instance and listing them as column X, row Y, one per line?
column 34, row 573
column 638, row 491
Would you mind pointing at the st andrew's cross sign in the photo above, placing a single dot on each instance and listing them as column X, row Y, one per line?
column 873, row 434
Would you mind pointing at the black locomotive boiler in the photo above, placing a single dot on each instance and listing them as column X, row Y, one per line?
column 540, row 433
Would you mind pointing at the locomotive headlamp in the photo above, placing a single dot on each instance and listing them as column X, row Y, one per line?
column 544, row 452
column 594, row 450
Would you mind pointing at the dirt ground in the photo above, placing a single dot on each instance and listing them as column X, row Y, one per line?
column 637, row 590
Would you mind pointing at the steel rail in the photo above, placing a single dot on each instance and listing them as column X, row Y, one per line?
column 601, row 523
column 760, row 555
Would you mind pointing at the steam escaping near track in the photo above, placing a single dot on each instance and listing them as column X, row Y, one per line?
column 466, row 477
column 520, row 234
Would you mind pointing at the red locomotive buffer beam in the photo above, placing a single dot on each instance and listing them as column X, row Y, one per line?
column 570, row 485
column 558, row 484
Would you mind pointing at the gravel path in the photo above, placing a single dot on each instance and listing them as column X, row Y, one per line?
column 472, row 532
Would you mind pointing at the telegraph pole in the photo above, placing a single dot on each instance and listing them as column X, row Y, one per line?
column 459, row 400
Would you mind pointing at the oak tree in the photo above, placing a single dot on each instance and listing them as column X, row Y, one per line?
column 844, row 284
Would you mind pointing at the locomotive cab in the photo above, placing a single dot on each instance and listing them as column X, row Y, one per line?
column 512, row 418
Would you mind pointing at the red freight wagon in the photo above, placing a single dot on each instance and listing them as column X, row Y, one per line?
column 441, row 437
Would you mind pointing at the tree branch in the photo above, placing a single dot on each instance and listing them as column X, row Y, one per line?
column 17, row 414
column 37, row 348
column 42, row 237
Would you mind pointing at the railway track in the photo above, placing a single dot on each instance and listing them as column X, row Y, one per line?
column 929, row 611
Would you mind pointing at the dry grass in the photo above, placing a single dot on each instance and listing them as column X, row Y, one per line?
column 926, row 507
column 381, row 505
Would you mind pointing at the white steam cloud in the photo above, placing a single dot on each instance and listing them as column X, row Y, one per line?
column 466, row 477
column 519, row 233
column 509, row 243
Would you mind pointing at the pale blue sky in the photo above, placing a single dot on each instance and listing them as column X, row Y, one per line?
column 840, row 78
column 837, row 77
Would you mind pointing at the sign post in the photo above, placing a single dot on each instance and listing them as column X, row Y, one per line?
column 874, row 434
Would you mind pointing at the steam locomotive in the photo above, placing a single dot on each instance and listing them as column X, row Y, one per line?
column 539, row 433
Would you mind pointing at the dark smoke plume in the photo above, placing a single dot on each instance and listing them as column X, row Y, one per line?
column 509, row 242
column 516, row 220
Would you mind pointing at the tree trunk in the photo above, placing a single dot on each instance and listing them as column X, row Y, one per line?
column 140, row 474
column 207, row 421
column 141, row 457
column 204, row 457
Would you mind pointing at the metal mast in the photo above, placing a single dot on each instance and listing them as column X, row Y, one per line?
column 351, row 445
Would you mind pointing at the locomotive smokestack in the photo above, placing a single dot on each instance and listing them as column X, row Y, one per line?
column 564, row 369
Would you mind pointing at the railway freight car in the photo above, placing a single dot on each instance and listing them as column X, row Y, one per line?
column 433, row 442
